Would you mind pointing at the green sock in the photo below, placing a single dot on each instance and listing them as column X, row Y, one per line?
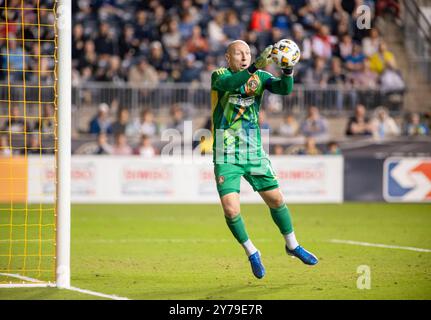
column 282, row 219
column 237, row 227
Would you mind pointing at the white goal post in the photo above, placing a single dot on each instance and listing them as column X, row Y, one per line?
column 64, row 27
column 57, row 270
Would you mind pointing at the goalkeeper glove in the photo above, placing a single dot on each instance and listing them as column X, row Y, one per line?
column 287, row 71
column 262, row 61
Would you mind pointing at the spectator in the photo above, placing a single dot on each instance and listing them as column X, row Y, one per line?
column 144, row 125
column 14, row 59
column 336, row 75
column 114, row 72
column 78, row 41
column 274, row 7
column 359, row 124
column 190, row 72
column 177, row 121
column 380, row 59
column 217, row 38
column 355, row 61
column 46, row 123
column 278, row 150
column 143, row 74
column 159, row 60
column 103, row 147
column 186, row 25
column 414, row 127
column 16, row 124
column 345, row 47
column 171, row 39
column 233, row 29
column 371, row 43
column 147, row 126
column 364, row 78
column 322, row 43
column 34, row 145
column 333, row 148
column 197, row 44
column 383, row 125
column 289, row 127
column 5, row 150
column 121, row 147
column 391, row 80
column 304, row 43
column 146, row 149
column 120, row 125
column 89, row 58
column 309, row 148
column 314, row 125
column 318, row 75
column 260, row 20
column 104, row 41
column 128, row 44
column 283, row 19
column 145, row 28
column 276, row 35
column 100, row 123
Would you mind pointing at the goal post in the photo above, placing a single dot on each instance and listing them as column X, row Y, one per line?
column 64, row 27
column 35, row 143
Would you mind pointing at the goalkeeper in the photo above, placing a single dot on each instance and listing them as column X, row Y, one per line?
column 236, row 96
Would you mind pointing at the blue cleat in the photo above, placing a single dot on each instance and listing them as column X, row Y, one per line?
column 303, row 255
column 256, row 265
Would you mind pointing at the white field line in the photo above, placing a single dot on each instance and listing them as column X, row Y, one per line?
column 163, row 240
column 378, row 245
column 141, row 240
column 97, row 294
column 38, row 283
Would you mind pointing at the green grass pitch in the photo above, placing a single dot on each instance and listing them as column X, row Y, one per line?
column 187, row 252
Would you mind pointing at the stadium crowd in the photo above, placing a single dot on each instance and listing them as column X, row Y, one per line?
column 157, row 41
column 148, row 42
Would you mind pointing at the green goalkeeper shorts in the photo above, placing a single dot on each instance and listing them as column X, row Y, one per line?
column 259, row 174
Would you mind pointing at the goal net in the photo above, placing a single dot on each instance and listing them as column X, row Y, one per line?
column 30, row 129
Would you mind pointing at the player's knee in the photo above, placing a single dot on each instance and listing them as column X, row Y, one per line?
column 276, row 202
column 231, row 211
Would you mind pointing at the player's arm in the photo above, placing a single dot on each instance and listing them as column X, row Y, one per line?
column 282, row 85
column 224, row 81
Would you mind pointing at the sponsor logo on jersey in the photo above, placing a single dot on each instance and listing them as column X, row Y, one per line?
column 239, row 100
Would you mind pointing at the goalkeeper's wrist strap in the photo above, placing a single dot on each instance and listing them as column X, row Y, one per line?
column 252, row 69
column 287, row 71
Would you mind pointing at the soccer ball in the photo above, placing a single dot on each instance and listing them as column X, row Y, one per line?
column 285, row 53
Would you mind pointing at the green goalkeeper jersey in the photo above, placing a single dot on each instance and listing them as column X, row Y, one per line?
column 236, row 98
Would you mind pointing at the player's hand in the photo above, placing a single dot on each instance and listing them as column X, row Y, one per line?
column 264, row 59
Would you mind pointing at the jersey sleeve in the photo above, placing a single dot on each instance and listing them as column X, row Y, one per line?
column 282, row 85
column 223, row 80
